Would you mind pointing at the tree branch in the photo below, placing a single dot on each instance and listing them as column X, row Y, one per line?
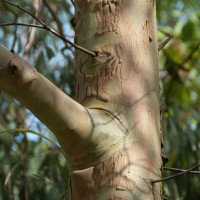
column 65, row 117
column 175, row 175
column 48, row 28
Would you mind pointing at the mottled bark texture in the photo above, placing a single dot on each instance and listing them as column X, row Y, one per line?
column 121, row 86
column 112, row 136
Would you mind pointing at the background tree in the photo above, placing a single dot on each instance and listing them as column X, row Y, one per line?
column 179, row 74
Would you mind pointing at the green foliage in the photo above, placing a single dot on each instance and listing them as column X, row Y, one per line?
column 44, row 175
column 33, row 166
column 180, row 75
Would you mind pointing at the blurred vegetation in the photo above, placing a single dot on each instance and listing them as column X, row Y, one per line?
column 180, row 86
column 38, row 169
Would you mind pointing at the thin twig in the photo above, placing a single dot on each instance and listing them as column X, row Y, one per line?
column 48, row 28
column 43, row 179
column 167, row 198
column 164, row 43
column 196, row 47
column 26, row 11
column 15, row 38
column 175, row 175
column 58, row 22
column 187, row 59
column 23, row 24
column 180, row 170
column 53, row 14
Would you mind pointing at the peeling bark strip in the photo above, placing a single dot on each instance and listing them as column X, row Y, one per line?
column 105, row 71
column 108, row 12
column 100, row 70
column 121, row 52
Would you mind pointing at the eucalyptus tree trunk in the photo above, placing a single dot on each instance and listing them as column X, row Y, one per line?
column 112, row 134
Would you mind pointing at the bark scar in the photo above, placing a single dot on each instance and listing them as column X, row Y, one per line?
column 22, row 70
column 108, row 12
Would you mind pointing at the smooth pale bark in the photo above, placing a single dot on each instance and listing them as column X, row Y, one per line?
column 113, row 138
column 54, row 108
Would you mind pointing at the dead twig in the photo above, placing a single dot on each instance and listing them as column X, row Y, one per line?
column 180, row 170
column 164, row 43
column 175, row 175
